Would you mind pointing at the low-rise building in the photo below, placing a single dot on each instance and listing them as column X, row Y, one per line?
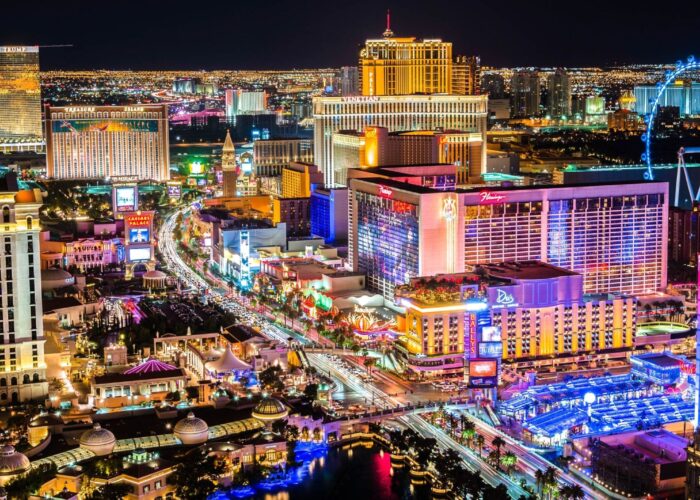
column 83, row 253
column 641, row 463
column 151, row 380
column 534, row 313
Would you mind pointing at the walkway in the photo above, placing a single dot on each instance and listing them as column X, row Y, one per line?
column 76, row 455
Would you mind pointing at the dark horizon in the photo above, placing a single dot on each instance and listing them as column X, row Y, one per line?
column 283, row 35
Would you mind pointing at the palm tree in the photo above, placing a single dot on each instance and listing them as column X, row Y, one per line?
column 480, row 443
column 571, row 492
column 550, row 482
column 498, row 442
column 539, row 480
column 468, row 430
column 509, row 461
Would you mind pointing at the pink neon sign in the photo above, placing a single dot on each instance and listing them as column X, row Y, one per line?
column 385, row 192
column 489, row 197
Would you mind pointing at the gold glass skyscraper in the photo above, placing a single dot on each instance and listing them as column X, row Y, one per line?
column 20, row 95
column 404, row 66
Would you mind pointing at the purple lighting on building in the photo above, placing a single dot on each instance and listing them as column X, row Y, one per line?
column 150, row 366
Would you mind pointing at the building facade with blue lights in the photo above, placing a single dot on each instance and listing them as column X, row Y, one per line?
column 329, row 214
column 613, row 235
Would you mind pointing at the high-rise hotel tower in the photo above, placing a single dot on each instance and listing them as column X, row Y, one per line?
column 20, row 99
column 406, row 84
column 116, row 142
column 22, row 365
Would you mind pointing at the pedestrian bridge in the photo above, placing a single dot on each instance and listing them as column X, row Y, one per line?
column 400, row 410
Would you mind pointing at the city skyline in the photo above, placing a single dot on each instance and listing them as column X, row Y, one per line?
column 311, row 36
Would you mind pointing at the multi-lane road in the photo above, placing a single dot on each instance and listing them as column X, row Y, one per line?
column 528, row 461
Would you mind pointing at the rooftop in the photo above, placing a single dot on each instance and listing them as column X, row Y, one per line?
column 661, row 359
column 526, row 270
column 417, row 189
column 659, row 445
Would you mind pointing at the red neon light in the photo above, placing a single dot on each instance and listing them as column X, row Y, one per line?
column 138, row 220
column 489, row 197
column 472, row 336
column 385, row 192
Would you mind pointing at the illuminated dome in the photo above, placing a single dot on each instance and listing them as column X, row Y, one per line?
column 98, row 440
column 270, row 410
column 56, row 278
column 155, row 274
column 191, row 430
column 12, row 463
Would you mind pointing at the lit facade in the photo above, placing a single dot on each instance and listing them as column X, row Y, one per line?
column 20, row 97
column 297, row 179
column 614, row 235
column 466, row 75
column 240, row 102
column 272, row 155
column 525, row 94
column 116, row 142
column 530, row 315
column 397, row 113
column 83, row 253
column 22, row 362
column 376, row 146
column 683, row 95
column 329, row 214
column 559, row 94
column 404, row 66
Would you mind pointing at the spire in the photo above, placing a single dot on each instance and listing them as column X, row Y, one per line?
column 387, row 32
column 228, row 143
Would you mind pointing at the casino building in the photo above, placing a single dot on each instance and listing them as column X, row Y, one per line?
column 466, row 113
column 116, row 142
column 615, row 236
column 527, row 313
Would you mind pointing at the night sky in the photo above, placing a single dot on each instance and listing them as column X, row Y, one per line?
column 259, row 34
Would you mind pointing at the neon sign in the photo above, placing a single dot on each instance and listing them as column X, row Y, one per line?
column 504, row 298
column 489, row 197
column 385, row 192
column 138, row 220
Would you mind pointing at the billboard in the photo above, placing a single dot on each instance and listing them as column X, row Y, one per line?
column 143, row 219
column 483, row 373
column 139, row 235
column 483, row 368
column 102, row 125
column 491, row 334
column 491, row 350
column 139, row 254
column 174, row 190
column 125, row 199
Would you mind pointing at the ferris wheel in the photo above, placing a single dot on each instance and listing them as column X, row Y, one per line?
column 670, row 77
